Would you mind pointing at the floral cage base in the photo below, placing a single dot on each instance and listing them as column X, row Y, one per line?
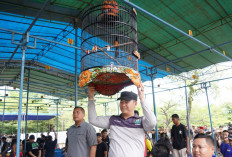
column 109, row 80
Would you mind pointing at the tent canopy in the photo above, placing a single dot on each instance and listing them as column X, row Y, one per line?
column 159, row 45
column 14, row 116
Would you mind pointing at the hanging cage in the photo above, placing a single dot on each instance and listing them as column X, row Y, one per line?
column 109, row 55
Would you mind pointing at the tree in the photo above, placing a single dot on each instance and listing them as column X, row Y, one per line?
column 167, row 110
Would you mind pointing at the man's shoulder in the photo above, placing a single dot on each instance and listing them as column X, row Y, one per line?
column 113, row 117
column 71, row 127
column 182, row 125
column 88, row 127
column 103, row 143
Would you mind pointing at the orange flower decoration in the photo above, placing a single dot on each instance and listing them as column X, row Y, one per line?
column 129, row 71
column 84, row 78
column 136, row 79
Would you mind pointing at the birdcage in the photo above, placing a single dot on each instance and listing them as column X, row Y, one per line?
column 109, row 56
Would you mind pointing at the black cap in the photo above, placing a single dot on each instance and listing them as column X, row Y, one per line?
column 128, row 96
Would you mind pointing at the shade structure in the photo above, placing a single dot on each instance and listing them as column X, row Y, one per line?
column 109, row 58
column 10, row 117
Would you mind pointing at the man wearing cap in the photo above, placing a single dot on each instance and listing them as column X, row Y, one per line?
column 127, row 130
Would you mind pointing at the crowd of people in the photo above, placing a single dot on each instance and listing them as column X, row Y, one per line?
column 43, row 146
column 126, row 135
column 133, row 136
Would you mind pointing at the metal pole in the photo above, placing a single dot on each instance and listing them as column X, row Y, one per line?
column 3, row 114
column 187, row 110
column 118, row 104
column 57, row 124
column 153, row 94
column 105, row 109
column 25, row 129
column 76, row 67
column 175, row 28
column 206, row 91
column 37, row 119
column 20, row 100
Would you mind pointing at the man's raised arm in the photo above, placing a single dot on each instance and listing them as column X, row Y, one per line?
column 98, row 121
column 149, row 119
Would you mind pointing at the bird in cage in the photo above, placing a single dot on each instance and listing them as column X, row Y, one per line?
column 109, row 9
column 113, row 64
column 116, row 47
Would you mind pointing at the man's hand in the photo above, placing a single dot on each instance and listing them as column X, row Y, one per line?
column 188, row 152
column 91, row 91
column 141, row 92
column 53, row 128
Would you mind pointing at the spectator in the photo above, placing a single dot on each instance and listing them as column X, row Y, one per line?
column 105, row 137
column 160, row 150
column 165, row 141
column 4, row 146
column 42, row 143
column 148, row 145
column 203, row 146
column 230, row 130
column 153, row 136
column 101, row 147
column 228, row 151
column 23, row 143
column 179, row 138
column 13, row 149
column 225, row 142
column 206, row 129
column 201, row 130
column 195, row 130
column 127, row 129
column 191, row 132
column 162, row 132
column 49, row 147
column 82, row 139
column 136, row 112
column 229, row 125
column 33, row 149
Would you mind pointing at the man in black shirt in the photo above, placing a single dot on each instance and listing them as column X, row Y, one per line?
column 101, row 147
column 105, row 137
column 50, row 145
column 4, row 146
column 23, row 142
column 179, row 138
column 33, row 149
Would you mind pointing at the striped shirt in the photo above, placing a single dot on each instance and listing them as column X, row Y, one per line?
column 126, row 135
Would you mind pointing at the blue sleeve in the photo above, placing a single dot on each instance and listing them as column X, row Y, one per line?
column 223, row 148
